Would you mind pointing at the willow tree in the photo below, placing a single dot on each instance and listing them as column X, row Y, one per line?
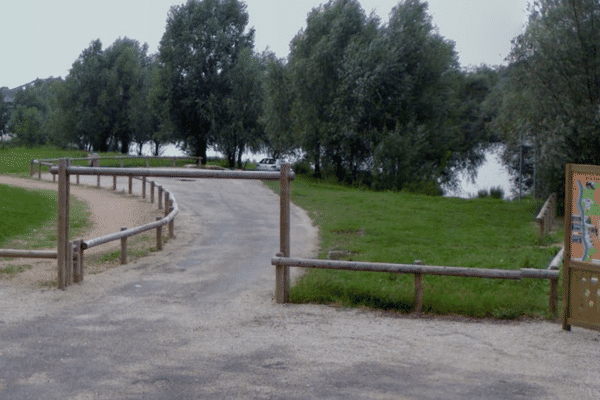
column 198, row 53
column 552, row 97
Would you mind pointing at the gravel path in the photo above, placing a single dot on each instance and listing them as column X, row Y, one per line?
column 197, row 321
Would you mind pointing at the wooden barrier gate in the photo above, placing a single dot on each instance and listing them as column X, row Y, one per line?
column 581, row 266
column 285, row 176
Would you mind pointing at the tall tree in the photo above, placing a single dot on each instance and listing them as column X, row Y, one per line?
column 4, row 113
column 552, row 96
column 102, row 93
column 276, row 116
column 243, row 107
column 315, row 61
column 198, row 52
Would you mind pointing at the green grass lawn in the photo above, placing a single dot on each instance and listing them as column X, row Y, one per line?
column 28, row 218
column 402, row 227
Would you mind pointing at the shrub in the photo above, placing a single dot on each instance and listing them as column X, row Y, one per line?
column 482, row 193
column 497, row 193
column 302, row 167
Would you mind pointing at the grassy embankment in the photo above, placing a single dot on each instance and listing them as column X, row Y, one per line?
column 402, row 227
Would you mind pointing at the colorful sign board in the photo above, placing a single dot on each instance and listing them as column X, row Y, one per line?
column 581, row 267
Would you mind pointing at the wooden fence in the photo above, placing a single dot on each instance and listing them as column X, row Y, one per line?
column 419, row 270
column 95, row 162
column 546, row 215
column 63, row 170
column 70, row 268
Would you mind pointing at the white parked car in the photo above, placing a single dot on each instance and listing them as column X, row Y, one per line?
column 269, row 164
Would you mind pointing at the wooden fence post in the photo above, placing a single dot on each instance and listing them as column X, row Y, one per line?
column 98, row 180
column 159, row 241
column 553, row 297
column 63, row 223
column 39, row 169
column 147, row 162
column 171, row 222
column 282, row 273
column 143, row 187
column 53, row 177
column 78, row 267
column 31, row 168
column 160, row 194
column 77, row 179
column 123, row 247
column 418, row 289
column 152, row 192
column 174, row 162
column 130, row 183
column 167, row 204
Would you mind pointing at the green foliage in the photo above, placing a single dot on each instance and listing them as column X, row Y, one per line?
column 384, row 99
column 496, row 193
column 551, row 93
column 198, row 54
column 402, row 227
column 276, row 117
column 243, row 105
column 26, row 124
column 105, row 102
column 4, row 113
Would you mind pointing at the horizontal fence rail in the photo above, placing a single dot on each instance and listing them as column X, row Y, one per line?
column 69, row 273
column 420, row 270
column 546, row 215
column 173, row 173
column 88, row 244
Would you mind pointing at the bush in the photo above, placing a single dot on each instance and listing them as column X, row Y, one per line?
column 302, row 167
column 497, row 193
column 482, row 193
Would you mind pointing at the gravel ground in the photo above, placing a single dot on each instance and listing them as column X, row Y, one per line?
column 197, row 321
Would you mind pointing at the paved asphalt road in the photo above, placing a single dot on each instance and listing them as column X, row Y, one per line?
column 82, row 349
column 197, row 321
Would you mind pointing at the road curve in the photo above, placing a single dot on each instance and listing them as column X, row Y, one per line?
column 197, row 321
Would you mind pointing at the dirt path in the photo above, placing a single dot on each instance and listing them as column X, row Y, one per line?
column 109, row 211
column 198, row 321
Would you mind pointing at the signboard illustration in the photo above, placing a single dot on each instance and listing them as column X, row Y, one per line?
column 585, row 218
column 581, row 266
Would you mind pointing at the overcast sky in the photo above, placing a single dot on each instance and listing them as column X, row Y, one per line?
column 42, row 38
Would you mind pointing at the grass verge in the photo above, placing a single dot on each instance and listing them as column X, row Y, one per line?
column 402, row 227
column 29, row 218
